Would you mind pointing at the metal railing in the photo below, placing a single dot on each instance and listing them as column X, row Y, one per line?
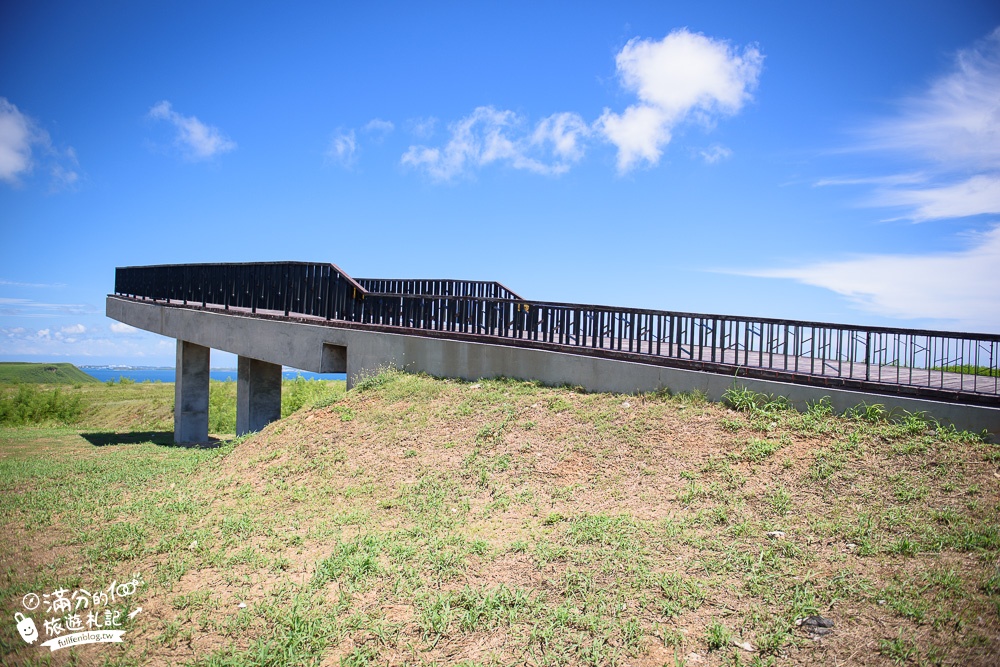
column 439, row 287
column 941, row 365
column 304, row 288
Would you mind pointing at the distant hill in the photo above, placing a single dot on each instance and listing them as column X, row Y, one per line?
column 18, row 371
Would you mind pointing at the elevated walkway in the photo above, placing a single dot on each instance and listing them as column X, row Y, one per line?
column 317, row 318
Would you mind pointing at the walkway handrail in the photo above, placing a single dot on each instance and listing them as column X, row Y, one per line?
column 439, row 287
column 306, row 288
column 939, row 364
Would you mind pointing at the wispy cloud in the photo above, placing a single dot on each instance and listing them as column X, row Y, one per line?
column 953, row 129
column 564, row 134
column 342, row 148
column 15, row 283
column 24, row 144
column 77, row 341
column 378, row 127
column 422, row 128
column 715, row 153
column 494, row 136
column 10, row 307
column 975, row 196
column 195, row 139
column 956, row 120
column 950, row 137
column 962, row 286
column 683, row 77
column 885, row 180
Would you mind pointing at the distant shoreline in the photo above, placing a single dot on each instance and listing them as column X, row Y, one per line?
column 116, row 367
column 166, row 374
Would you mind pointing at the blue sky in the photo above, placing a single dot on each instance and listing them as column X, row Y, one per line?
column 835, row 163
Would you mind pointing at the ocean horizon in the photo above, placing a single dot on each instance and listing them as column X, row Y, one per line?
column 164, row 374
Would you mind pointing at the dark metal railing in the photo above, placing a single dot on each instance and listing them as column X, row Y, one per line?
column 943, row 365
column 303, row 288
column 439, row 287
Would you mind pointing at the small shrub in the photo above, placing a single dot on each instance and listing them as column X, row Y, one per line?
column 30, row 406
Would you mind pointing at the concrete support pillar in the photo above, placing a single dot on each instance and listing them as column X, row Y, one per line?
column 258, row 394
column 191, row 393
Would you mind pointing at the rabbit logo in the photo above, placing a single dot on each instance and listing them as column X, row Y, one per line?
column 26, row 627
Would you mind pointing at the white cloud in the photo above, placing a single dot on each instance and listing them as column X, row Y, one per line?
column 22, row 342
column 975, row 196
column 73, row 329
column 16, row 136
column 379, row 127
column 890, row 180
column 197, row 140
column 342, row 149
column 122, row 328
column 954, row 129
column 15, row 283
column 19, row 137
column 565, row 131
column 715, row 153
column 11, row 306
column 683, row 77
column 963, row 286
column 489, row 135
column 957, row 120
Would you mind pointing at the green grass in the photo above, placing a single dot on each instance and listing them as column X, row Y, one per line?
column 142, row 406
column 970, row 370
column 425, row 521
column 14, row 372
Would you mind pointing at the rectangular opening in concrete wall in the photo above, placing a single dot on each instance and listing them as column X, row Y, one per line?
column 334, row 359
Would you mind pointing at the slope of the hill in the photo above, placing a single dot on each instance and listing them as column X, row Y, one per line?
column 12, row 372
column 423, row 521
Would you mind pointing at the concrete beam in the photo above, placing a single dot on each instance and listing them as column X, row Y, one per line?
column 191, row 393
column 258, row 394
column 273, row 340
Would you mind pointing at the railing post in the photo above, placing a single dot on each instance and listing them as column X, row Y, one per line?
column 868, row 355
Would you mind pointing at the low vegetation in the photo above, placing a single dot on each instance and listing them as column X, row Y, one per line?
column 970, row 370
column 144, row 406
column 424, row 521
column 13, row 372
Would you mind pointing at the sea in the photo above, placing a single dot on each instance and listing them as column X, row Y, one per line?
column 169, row 374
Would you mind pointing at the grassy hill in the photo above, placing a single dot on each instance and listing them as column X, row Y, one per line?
column 424, row 521
column 13, row 372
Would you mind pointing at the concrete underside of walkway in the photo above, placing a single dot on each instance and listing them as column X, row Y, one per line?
column 327, row 348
